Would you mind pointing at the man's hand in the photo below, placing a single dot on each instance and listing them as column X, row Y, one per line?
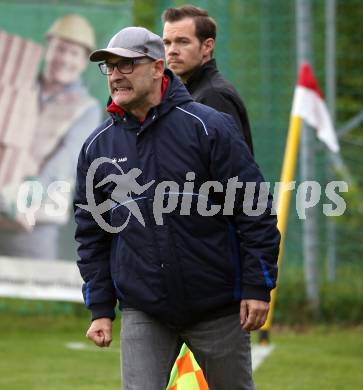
column 253, row 313
column 100, row 332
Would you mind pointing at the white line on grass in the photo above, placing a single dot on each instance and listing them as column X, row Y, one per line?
column 259, row 352
column 80, row 346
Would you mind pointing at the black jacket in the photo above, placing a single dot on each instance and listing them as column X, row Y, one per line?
column 186, row 265
column 207, row 86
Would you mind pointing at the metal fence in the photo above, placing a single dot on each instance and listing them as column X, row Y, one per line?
column 257, row 51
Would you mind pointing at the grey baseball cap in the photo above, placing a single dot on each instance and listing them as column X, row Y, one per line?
column 132, row 42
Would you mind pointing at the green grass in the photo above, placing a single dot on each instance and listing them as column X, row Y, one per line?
column 317, row 359
column 33, row 356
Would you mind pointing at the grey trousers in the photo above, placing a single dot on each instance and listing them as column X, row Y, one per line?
column 149, row 349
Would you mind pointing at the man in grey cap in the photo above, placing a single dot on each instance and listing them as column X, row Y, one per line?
column 182, row 270
column 131, row 89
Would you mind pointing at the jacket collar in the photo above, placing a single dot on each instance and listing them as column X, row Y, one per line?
column 200, row 73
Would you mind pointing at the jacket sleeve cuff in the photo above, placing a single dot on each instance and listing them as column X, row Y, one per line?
column 102, row 311
column 255, row 292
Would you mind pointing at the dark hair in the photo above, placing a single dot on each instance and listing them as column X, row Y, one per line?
column 205, row 26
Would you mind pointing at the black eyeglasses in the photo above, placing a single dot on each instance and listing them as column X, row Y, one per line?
column 124, row 66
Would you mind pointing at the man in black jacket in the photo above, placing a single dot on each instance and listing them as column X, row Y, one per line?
column 189, row 38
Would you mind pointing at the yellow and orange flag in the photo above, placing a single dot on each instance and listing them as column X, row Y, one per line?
column 186, row 373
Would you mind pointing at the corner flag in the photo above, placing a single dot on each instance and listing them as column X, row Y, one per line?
column 186, row 373
column 309, row 104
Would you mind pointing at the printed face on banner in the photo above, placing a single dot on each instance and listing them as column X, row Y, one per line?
column 64, row 61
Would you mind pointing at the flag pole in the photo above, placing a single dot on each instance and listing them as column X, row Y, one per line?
column 308, row 105
column 283, row 202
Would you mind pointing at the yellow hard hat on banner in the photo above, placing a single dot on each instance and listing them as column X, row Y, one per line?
column 74, row 28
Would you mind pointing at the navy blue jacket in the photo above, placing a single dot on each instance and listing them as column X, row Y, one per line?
column 190, row 265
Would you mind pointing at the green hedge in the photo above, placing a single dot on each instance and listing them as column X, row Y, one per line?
column 341, row 301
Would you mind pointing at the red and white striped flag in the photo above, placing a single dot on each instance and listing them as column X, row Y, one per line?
column 309, row 105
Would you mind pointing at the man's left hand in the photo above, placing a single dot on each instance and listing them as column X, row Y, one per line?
column 253, row 313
